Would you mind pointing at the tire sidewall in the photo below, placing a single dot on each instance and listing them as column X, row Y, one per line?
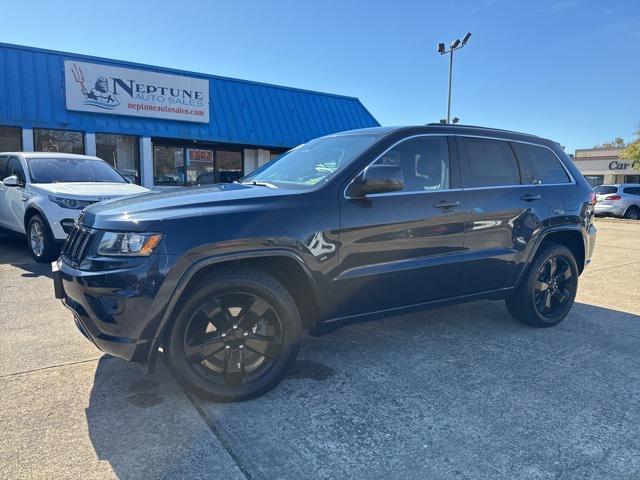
column 284, row 306
column 633, row 208
column 49, row 251
column 565, row 254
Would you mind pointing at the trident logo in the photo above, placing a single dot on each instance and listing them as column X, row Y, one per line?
column 79, row 77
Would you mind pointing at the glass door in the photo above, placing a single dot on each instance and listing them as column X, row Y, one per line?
column 200, row 166
column 228, row 166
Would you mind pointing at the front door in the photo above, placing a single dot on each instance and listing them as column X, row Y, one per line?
column 12, row 199
column 403, row 248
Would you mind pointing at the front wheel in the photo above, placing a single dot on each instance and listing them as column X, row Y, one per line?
column 40, row 240
column 548, row 290
column 234, row 337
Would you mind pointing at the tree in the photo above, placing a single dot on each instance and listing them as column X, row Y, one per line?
column 617, row 142
column 632, row 152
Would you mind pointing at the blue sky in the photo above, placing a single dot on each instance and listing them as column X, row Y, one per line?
column 564, row 69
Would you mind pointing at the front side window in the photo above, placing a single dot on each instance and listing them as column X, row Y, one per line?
column 14, row 167
column 424, row 162
column 490, row 163
column 122, row 152
column 59, row 170
column 10, row 139
column 539, row 166
column 312, row 163
column 62, row 141
column 632, row 190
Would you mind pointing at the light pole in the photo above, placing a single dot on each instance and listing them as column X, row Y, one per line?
column 455, row 45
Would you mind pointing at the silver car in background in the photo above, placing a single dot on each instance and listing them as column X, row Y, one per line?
column 618, row 200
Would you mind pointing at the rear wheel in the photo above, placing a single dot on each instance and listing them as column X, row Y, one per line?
column 235, row 337
column 40, row 240
column 632, row 213
column 546, row 294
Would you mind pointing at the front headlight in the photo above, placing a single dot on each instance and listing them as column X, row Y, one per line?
column 130, row 244
column 70, row 202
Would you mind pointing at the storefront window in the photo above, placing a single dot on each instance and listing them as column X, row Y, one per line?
column 200, row 168
column 168, row 165
column 228, row 166
column 122, row 152
column 594, row 180
column 10, row 139
column 63, row 141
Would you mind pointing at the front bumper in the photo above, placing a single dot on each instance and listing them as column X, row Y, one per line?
column 113, row 309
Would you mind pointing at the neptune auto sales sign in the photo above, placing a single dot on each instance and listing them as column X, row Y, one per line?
column 90, row 87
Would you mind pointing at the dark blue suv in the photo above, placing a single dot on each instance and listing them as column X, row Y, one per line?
column 224, row 279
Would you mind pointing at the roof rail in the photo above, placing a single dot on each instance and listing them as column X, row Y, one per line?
column 457, row 125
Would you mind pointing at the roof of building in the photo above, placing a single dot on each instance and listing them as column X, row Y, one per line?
column 241, row 111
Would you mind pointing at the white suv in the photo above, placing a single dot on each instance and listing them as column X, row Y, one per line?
column 618, row 200
column 42, row 195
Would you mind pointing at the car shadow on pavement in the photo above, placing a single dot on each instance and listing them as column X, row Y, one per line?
column 463, row 391
column 13, row 251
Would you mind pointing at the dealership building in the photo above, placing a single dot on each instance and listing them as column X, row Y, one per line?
column 603, row 165
column 158, row 126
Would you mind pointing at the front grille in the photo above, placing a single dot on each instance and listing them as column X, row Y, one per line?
column 77, row 244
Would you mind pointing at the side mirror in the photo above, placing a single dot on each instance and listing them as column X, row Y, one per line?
column 376, row 179
column 12, row 181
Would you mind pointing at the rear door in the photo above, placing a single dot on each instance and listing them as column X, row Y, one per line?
column 404, row 248
column 4, row 209
column 502, row 214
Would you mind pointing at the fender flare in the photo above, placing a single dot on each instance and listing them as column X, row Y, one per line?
column 540, row 238
column 212, row 260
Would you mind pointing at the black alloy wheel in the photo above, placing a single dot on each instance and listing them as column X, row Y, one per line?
column 553, row 287
column 235, row 336
column 546, row 293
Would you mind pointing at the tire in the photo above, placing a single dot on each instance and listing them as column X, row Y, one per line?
column 540, row 302
column 40, row 241
column 235, row 337
column 632, row 213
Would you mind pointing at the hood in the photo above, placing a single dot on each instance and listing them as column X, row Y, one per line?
column 90, row 190
column 139, row 212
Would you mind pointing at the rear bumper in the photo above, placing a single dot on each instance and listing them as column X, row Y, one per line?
column 608, row 210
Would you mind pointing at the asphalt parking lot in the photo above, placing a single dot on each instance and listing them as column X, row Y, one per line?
column 461, row 392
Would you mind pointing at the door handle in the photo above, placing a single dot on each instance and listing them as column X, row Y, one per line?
column 530, row 197
column 446, row 204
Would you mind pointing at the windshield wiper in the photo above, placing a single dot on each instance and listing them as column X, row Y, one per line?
column 260, row 184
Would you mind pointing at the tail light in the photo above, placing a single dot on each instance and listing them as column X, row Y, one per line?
column 613, row 197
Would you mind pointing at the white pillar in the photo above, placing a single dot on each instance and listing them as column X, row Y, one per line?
column 263, row 157
column 27, row 140
column 250, row 160
column 146, row 162
column 90, row 144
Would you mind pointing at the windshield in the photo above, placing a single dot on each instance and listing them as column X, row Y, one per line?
column 58, row 170
column 605, row 189
column 313, row 162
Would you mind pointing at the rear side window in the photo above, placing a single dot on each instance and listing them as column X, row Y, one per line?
column 490, row 163
column 632, row 190
column 605, row 189
column 538, row 165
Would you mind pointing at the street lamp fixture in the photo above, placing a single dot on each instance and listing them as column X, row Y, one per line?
column 457, row 44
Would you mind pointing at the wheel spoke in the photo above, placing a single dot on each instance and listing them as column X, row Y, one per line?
column 252, row 313
column 268, row 347
column 541, row 286
column 221, row 318
column 553, row 265
column 547, row 300
column 561, row 296
column 564, row 275
column 204, row 348
column 233, row 366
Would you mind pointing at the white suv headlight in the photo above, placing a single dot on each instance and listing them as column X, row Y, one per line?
column 70, row 202
column 129, row 244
